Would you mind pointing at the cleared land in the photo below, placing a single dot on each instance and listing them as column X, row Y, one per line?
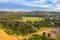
column 33, row 18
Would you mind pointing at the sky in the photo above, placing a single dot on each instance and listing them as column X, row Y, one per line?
column 29, row 5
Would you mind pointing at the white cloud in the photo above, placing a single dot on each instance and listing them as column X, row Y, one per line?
column 54, row 1
column 44, row 1
column 40, row 1
column 4, row 1
column 15, row 10
column 37, row 3
column 57, row 7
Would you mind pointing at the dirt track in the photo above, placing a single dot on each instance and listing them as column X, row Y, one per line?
column 5, row 36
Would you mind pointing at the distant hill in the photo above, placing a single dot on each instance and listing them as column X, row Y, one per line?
column 55, row 13
column 29, row 13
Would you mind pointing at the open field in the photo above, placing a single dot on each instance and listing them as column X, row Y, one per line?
column 33, row 18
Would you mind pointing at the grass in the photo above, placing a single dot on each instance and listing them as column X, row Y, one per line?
column 33, row 18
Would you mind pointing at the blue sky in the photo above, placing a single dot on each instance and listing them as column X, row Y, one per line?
column 27, row 5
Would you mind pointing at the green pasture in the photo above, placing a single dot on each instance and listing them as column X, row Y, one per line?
column 33, row 18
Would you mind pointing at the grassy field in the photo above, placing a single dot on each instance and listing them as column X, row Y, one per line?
column 33, row 18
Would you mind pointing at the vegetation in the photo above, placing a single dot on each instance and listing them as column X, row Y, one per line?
column 23, row 23
column 41, row 37
column 58, row 37
column 20, row 26
column 33, row 18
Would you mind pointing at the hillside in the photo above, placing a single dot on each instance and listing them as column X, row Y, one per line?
column 5, row 36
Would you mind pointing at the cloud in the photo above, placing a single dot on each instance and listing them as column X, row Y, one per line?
column 51, row 4
column 2, row 1
column 40, row 1
column 36, row 3
column 33, row 3
column 54, row 1
column 15, row 10
column 57, row 7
